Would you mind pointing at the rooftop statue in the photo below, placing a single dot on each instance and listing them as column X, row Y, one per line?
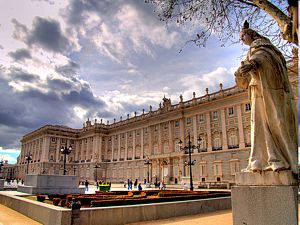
column 273, row 116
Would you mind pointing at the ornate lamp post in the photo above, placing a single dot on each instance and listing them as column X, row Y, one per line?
column 189, row 149
column 96, row 177
column 28, row 158
column 1, row 164
column 147, row 162
column 66, row 151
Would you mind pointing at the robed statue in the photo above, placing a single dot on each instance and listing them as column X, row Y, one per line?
column 273, row 115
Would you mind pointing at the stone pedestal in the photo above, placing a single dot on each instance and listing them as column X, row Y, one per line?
column 50, row 184
column 1, row 184
column 265, row 198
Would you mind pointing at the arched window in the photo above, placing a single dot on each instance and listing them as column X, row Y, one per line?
column 138, row 152
column 217, row 145
column 233, row 139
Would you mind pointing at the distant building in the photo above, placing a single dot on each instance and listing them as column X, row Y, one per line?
column 220, row 119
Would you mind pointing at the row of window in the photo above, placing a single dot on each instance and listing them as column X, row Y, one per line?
column 201, row 117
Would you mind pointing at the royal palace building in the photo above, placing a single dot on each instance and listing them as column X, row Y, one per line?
column 120, row 150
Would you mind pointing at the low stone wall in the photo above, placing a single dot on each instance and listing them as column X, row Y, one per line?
column 41, row 212
column 49, row 215
column 129, row 214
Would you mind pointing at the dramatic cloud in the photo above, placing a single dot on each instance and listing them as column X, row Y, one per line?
column 45, row 33
column 50, row 102
column 119, row 28
column 68, row 70
column 20, row 55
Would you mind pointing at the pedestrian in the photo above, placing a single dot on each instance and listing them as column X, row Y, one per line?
column 161, row 186
column 135, row 183
column 86, row 184
column 140, row 187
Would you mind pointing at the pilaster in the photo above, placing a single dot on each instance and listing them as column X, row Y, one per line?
column 208, row 130
column 241, row 128
column 224, row 132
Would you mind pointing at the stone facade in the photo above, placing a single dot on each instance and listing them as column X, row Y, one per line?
column 220, row 119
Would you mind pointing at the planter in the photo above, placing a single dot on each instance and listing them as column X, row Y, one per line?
column 104, row 188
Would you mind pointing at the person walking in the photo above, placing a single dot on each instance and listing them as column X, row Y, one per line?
column 140, row 187
column 86, row 184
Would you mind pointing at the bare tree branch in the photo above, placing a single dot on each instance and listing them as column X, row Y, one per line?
column 224, row 18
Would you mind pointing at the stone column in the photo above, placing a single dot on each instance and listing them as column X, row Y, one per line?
column 142, row 143
column 100, row 147
column 133, row 144
column 88, row 148
column 119, row 146
column 241, row 128
column 57, row 151
column 126, row 146
column 112, row 147
column 181, row 167
column 45, row 150
column 171, row 136
column 182, row 131
column 77, row 149
column 160, row 150
column 96, row 143
column 195, row 129
column 224, row 131
column 208, row 131
column 82, row 149
column 150, row 141
column 106, row 150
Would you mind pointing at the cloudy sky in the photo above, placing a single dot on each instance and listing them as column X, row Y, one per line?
column 62, row 62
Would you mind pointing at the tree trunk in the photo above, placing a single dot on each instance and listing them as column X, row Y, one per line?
column 284, row 22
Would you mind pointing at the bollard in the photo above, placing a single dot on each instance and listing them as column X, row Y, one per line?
column 75, row 213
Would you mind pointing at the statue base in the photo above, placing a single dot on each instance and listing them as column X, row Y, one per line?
column 50, row 184
column 266, row 198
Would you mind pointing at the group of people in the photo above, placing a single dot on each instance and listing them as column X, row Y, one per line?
column 160, row 185
column 129, row 184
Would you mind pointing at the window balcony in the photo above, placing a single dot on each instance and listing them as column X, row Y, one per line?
column 216, row 148
column 202, row 150
column 233, row 146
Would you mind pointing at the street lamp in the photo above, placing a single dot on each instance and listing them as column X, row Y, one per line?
column 66, row 151
column 28, row 158
column 147, row 162
column 1, row 164
column 189, row 148
column 96, row 177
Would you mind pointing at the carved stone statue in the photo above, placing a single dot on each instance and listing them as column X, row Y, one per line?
column 273, row 117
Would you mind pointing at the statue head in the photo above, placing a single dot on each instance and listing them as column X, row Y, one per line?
column 248, row 35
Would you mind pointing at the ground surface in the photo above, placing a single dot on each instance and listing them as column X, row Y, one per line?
column 222, row 217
